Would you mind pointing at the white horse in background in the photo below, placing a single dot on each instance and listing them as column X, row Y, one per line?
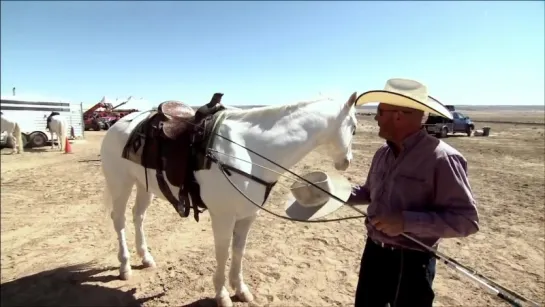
column 13, row 133
column 284, row 134
column 59, row 126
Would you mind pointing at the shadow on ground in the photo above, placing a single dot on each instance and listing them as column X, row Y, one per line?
column 66, row 286
column 209, row 302
column 7, row 151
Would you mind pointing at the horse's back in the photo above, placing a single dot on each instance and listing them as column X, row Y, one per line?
column 117, row 135
column 59, row 121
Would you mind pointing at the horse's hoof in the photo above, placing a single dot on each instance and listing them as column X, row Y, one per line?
column 125, row 275
column 224, row 301
column 149, row 263
column 245, row 296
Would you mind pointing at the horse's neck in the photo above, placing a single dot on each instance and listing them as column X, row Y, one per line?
column 284, row 135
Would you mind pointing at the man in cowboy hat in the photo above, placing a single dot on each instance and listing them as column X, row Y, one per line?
column 416, row 185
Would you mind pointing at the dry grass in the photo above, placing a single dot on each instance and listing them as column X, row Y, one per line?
column 51, row 218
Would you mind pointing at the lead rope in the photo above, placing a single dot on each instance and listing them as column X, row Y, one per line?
column 223, row 170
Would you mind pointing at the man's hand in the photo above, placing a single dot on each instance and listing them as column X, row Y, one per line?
column 391, row 224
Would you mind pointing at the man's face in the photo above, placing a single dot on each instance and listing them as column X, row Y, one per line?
column 387, row 118
column 394, row 121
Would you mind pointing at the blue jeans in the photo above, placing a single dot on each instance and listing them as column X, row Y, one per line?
column 398, row 277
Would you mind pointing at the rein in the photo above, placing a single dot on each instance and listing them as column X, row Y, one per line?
column 508, row 295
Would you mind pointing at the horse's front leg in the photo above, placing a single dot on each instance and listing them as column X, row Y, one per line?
column 143, row 200
column 240, row 236
column 222, row 226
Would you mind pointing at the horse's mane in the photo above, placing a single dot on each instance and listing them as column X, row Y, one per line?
column 286, row 109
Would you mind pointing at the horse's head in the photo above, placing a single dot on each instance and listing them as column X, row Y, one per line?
column 343, row 130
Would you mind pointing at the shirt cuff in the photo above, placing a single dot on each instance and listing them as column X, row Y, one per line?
column 358, row 196
column 415, row 222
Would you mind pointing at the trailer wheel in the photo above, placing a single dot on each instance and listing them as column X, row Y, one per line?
column 37, row 139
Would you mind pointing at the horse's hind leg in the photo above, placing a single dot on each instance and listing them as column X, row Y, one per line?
column 52, row 142
column 143, row 200
column 119, row 198
column 62, row 142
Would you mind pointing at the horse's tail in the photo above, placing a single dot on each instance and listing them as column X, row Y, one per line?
column 108, row 200
column 62, row 131
column 18, row 137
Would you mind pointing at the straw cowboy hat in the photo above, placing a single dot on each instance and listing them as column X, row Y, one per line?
column 308, row 202
column 405, row 93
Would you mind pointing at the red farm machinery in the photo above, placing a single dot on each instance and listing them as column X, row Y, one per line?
column 103, row 115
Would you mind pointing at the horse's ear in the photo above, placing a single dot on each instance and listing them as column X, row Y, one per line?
column 352, row 100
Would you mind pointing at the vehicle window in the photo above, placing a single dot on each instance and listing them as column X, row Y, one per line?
column 455, row 115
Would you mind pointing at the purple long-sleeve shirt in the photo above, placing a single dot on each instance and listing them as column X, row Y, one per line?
column 428, row 183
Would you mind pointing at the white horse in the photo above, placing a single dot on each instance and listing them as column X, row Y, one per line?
column 13, row 133
column 59, row 126
column 284, row 134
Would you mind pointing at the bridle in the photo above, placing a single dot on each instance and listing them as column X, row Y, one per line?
column 491, row 286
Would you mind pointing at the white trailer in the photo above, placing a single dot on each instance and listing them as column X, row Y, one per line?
column 32, row 117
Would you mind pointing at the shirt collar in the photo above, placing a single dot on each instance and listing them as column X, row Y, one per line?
column 409, row 141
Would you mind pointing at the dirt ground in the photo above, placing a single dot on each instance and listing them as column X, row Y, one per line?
column 58, row 246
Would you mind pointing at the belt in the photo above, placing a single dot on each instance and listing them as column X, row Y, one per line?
column 385, row 245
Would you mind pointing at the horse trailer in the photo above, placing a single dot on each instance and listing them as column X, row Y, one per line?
column 32, row 118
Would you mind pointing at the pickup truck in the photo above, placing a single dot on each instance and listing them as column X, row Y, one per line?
column 441, row 126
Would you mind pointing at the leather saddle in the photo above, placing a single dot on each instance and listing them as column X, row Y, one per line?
column 175, row 137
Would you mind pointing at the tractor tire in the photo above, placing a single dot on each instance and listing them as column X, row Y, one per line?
column 95, row 126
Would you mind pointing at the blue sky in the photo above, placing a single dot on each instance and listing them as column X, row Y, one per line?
column 272, row 52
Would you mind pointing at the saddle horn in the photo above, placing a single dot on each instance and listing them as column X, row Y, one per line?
column 216, row 98
column 210, row 108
